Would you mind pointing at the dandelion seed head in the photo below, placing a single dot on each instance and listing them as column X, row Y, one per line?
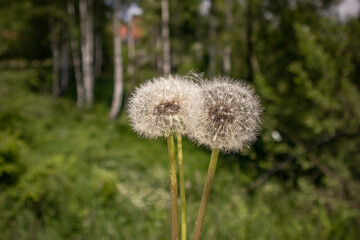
column 227, row 116
column 162, row 106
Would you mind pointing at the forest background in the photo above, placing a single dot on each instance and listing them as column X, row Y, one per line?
column 72, row 168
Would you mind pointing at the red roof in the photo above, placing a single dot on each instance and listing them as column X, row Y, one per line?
column 136, row 30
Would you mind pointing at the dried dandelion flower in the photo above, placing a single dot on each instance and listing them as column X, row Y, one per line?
column 162, row 106
column 159, row 108
column 228, row 115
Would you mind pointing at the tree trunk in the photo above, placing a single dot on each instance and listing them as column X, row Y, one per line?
column 212, row 37
column 227, row 59
column 158, row 51
column 98, row 54
column 87, row 49
column 76, row 55
column 249, row 41
column 55, row 52
column 165, row 36
column 65, row 62
column 118, row 68
column 227, row 48
column 131, row 53
column 98, row 29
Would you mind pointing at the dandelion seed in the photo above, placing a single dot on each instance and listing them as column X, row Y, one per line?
column 228, row 116
column 162, row 106
column 227, row 119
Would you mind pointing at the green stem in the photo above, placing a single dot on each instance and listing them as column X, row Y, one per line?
column 182, row 187
column 206, row 193
column 173, row 189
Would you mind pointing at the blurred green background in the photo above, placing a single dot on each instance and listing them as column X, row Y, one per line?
column 69, row 172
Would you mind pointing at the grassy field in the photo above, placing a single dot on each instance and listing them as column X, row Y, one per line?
column 67, row 173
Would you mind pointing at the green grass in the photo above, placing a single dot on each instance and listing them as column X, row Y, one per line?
column 73, row 174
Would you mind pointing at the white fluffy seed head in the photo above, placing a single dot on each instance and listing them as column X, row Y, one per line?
column 162, row 106
column 227, row 115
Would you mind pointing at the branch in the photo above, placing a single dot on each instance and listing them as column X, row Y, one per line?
column 309, row 148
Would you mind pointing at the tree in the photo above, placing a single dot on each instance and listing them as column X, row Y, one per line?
column 212, row 38
column 166, row 62
column 131, row 51
column 60, row 51
column 118, row 67
column 76, row 55
column 87, row 49
column 227, row 45
column 99, row 21
column 55, row 52
column 249, row 40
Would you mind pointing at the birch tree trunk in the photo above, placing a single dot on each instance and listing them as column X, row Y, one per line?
column 87, row 49
column 158, row 51
column 118, row 68
column 131, row 53
column 165, row 36
column 212, row 37
column 227, row 48
column 76, row 55
column 55, row 52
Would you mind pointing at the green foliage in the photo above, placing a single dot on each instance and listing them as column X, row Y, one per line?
column 83, row 177
column 23, row 30
column 11, row 165
column 67, row 173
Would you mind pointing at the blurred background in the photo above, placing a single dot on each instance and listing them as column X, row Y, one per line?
column 72, row 168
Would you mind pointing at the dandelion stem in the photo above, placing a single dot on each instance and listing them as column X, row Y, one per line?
column 182, row 187
column 173, row 189
column 206, row 193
